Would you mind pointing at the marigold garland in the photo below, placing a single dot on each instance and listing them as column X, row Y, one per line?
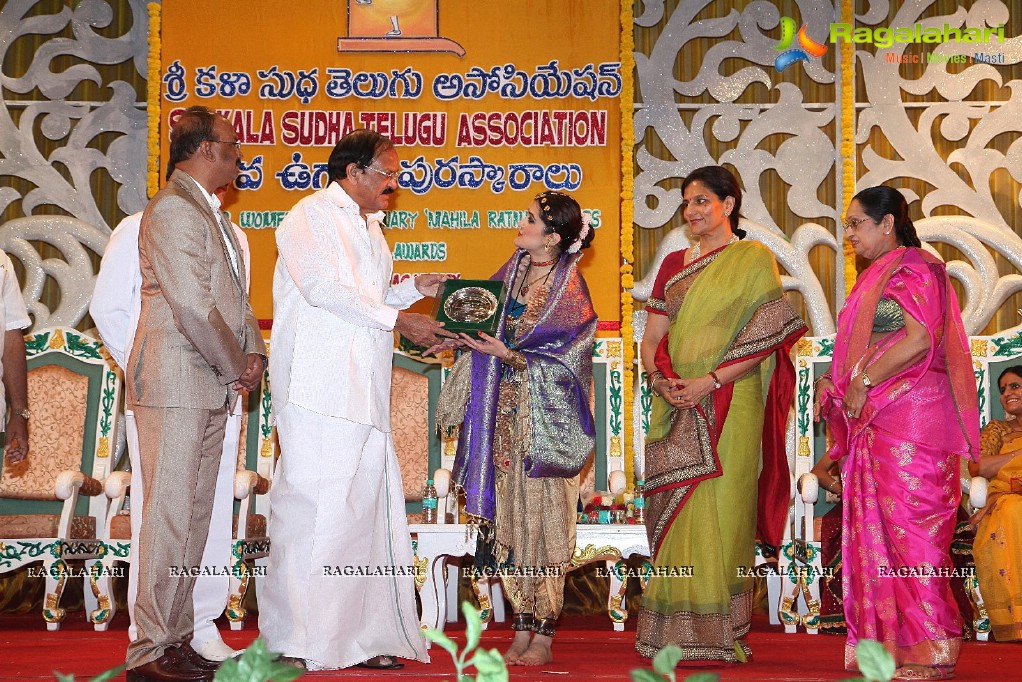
column 153, row 89
column 848, row 137
column 627, row 229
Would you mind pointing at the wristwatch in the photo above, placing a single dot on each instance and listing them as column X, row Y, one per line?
column 865, row 381
column 716, row 381
column 22, row 412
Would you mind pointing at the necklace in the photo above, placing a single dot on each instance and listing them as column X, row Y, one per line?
column 543, row 265
column 525, row 288
column 697, row 249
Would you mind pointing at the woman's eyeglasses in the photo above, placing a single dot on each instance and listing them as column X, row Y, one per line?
column 853, row 223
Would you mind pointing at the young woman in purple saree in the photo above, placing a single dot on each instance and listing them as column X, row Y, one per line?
column 522, row 400
column 901, row 405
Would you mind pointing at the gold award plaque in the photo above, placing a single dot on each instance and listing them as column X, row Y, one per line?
column 471, row 305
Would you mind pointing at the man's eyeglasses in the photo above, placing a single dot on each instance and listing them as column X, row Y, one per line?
column 390, row 175
column 854, row 223
column 235, row 143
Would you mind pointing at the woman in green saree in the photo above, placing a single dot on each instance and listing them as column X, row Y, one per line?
column 716, row 348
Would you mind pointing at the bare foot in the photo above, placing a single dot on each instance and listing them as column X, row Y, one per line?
column 538, row 652
column 518, row 646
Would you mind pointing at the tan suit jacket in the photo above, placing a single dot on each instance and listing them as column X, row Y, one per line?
column 196, row 325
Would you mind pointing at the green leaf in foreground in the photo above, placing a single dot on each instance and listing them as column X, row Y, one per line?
column 445, row 642
column 490, row 665
column 875, row 662
column 473, row 626
column 256, row 664
column 666, row 659
column 643, row 675
column 102, row 677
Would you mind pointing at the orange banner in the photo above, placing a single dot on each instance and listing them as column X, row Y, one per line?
column 488, row 105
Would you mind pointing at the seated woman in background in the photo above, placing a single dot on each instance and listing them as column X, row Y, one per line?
column 998, row 545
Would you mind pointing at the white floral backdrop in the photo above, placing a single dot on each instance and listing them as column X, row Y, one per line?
column 937, row 131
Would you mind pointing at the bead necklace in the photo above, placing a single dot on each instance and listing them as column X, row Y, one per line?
column 697, row 249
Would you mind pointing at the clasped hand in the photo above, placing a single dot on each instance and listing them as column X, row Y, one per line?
column 684, row 393
column 855, row 398
column 253, row 374
column 852, row 402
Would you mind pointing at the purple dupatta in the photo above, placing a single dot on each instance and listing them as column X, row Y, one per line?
column 559, row 354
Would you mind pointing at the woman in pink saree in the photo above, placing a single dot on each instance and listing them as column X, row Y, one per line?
column 901, row 405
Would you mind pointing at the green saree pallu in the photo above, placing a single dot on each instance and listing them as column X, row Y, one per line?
column 709, row 468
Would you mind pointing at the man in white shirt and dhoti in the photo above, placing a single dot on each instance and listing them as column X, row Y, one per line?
column 337, row 503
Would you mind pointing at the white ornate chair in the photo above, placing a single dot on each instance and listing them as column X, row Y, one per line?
column 73, row 388
column 255, row 459
column 257, row 454
column 609, row 544
column 802, row 565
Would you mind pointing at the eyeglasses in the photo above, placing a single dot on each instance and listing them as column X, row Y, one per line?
column 235, row 143
column 853, row 224
column 390, row 175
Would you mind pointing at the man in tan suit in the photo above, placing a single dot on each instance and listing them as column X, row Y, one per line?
column 197, row 343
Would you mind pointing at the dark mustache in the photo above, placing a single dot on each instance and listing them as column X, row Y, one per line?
column 389, row 190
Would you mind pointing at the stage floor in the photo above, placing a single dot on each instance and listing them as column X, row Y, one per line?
column 585, row 649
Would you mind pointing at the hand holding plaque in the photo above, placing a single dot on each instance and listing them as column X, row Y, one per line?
column 466, row 305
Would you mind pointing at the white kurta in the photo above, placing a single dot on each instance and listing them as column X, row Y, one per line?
column 336, row 503
column 115, row 306
column 13, row 314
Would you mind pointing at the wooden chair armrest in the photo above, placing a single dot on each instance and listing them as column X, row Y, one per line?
column 69, row 481
column 117, row 484
column 249, row 482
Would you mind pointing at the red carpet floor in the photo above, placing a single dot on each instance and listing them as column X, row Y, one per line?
column 585, row 649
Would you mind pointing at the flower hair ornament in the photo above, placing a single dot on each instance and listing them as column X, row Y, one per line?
column 576, row 245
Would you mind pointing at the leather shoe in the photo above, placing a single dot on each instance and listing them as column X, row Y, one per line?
column 172, row 666
column 196, row 659
column 383, row 662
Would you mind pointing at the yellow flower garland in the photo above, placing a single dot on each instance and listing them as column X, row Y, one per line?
column 627, row 248
column 848, row 137
column 154, row 87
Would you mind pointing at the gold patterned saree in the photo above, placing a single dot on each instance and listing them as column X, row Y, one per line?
column 998, row 545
